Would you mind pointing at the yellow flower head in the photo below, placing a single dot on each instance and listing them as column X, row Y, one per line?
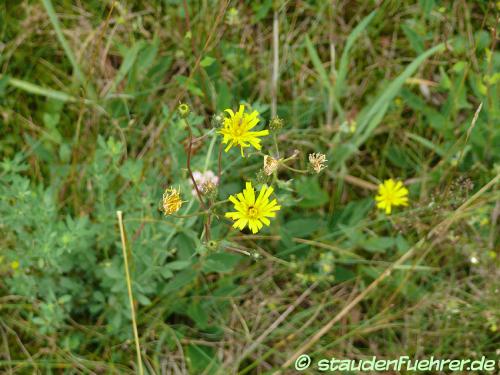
column 172, row 201
column 391, row 193
column 14, row 265
column 250, row 211
column 237, row 127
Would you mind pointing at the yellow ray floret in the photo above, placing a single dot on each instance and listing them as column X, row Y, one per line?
column 391, row 193
column 251, row 211
column 236, row 130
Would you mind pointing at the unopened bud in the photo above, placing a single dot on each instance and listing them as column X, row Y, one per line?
column 183, row 110
column 217, row 120
column 276, row 123
column 212, row 245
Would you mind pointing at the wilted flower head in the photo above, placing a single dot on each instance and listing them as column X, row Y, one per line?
column 270, row 165
column 391, row 193
column 172, row 201
column 317, row 161
column 206, row 181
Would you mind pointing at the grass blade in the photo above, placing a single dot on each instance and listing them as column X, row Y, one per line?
column 365, row 123
column 368, row 120
column 67, row 49
column 323, row 75
column 344, row 60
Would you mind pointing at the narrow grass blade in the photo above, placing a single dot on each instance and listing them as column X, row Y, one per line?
column 67, row 49
column 38, row 90
column 344, row 60
column 378, row 109
column 426, row 143
column 127, row 64
column 323, row 75
column 369, row 119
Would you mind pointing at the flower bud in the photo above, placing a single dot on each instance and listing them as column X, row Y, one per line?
column 217, row 120
column 276, row 123
column 183, row 110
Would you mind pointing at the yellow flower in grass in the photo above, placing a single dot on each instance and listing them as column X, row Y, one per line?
column 391, row 193
column 250, row 211
column 237, row 128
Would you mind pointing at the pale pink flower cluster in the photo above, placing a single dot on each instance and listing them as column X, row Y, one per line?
column 202, row 178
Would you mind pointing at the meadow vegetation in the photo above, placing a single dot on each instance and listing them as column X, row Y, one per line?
column 119, row 106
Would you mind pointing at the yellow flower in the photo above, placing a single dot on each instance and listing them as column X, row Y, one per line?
column 236, row 130
column 391, row 193
column 250, row 211
column 172, row 201
column 14, row 265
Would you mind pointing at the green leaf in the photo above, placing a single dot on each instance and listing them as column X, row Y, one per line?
column 128, row 62
column 221, row 262
column 340, row 89
column 189, row 84
column 369, row 119
column 415, row 40
column 202, row 360
column 207, row 61
column 178, row 265
column 132, row 170
column 67, row 49
column 179, row 281
column 197, row 312
column 311, row 192
column 342, row 274
column 378, row 244
column 304, row 227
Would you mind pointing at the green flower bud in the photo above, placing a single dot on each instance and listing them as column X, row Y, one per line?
column 183, row 110
column 276, row 123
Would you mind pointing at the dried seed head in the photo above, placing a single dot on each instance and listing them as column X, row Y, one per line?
column 270, row 165
column 317, row 161
column 172, row 201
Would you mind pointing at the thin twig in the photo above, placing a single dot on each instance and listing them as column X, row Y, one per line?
column 188, row 164
column 129, row 289
column 219, row 164
column 274, row 80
